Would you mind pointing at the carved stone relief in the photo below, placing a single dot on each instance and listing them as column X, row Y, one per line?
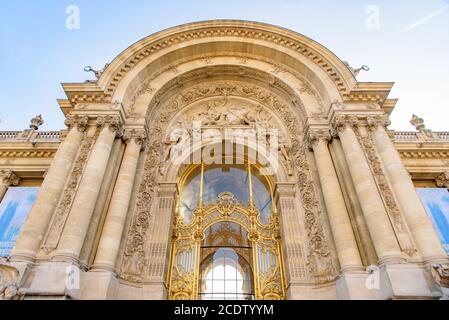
column 147, row 88
column 54, row 232
column 319, row 257
column 394, row 213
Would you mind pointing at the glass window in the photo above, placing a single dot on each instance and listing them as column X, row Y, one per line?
column 225, row 178
column 14, row 210
column 226, row 272
column 436, row 201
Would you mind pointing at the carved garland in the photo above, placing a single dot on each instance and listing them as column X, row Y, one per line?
column 319, row 257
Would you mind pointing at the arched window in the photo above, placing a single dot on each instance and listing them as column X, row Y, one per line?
column 226, row 272
column 226, row 178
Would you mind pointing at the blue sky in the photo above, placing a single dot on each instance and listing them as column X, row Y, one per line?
column 38, row 52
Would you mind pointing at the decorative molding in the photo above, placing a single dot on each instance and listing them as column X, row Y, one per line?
column 237, row 31
column 26, row 154
column 430, row 154
column 205, row 73
column 319, row 263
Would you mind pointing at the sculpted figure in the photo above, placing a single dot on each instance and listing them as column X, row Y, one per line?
column 284, row 150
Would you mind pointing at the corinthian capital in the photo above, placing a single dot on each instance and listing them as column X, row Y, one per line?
column 375, row 122
column 9, row 178
column 316, row 135
column 137, row 135
column 111, row 122
column 76, row 120
column 342, row 122
column 442, row 180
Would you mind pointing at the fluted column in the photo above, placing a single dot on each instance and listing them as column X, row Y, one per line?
column 83, row 206
column 380, row 227
column 115, row 220
column 414, row 211
column 7, row 179
column 346, row 245
column 47, row 199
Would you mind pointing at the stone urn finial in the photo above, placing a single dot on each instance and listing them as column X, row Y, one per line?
column 418, row 123
column 36, row 122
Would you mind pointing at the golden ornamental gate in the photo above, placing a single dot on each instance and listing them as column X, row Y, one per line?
column 265, row 240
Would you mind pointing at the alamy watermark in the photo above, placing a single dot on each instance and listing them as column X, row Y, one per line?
column 73, row 17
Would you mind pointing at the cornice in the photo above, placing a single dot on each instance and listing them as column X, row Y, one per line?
column 344, row 80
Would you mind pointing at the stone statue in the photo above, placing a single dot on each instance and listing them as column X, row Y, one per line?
column 440, row 274
column 284, row 150
column 9, row 278
column 36, row 122
column 419, row 125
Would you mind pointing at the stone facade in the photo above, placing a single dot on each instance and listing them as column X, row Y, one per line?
column 102, row 224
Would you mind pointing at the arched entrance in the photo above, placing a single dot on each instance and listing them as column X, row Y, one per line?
column 226, row 236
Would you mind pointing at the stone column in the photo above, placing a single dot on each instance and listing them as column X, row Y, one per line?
column 347, row 250
column 47, row 199
column 381, row 230
column 7, row 179
column 83, row 206
column 115, row 220
column 421, row 227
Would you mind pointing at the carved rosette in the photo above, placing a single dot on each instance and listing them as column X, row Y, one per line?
column 9, row 178
column 138, row 136
column 78, row 121
column 134, row 260
column 442, row 180
column 111, row 122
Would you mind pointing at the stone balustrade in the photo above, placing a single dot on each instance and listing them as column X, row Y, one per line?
column 420, row 136
column 30, row 136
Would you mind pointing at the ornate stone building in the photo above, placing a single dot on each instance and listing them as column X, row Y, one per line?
column 115, row 218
